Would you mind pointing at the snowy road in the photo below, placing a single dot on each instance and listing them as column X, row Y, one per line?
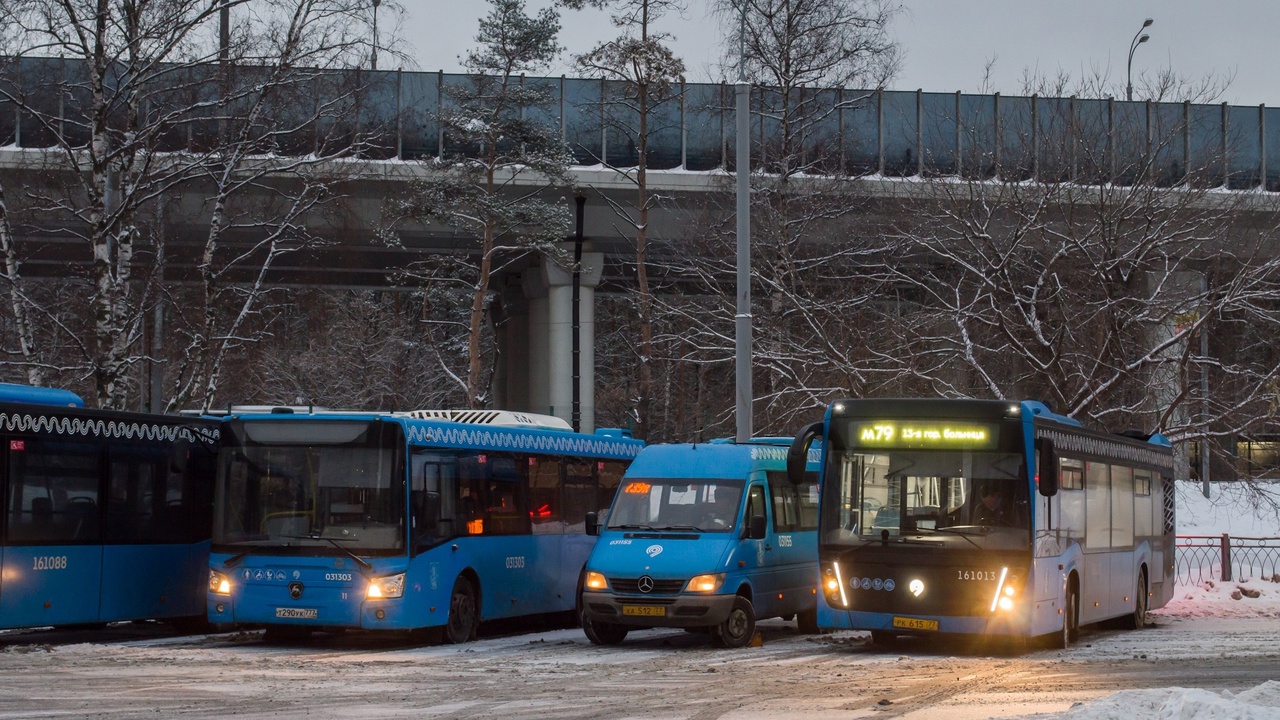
column 654, row 674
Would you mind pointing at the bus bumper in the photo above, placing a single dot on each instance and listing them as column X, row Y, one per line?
column 667, row 611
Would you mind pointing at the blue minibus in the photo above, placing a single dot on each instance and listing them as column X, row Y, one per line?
column 426, row 521
column 104, row 516
column 705, row 536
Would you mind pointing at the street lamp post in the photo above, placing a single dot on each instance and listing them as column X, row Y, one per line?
column 373, row 58
column 1138, row 39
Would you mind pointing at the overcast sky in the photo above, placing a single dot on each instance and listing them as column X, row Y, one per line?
column 949, row 43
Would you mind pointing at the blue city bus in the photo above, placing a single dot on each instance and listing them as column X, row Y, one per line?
column 104, row 515
column 708, row 536
column 429, row 520
column 987, row 518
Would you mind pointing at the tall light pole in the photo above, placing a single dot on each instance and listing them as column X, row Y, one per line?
column 1138, row 39
column 373, row 58
column 742, row 319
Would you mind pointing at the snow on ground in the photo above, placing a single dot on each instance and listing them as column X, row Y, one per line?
column 1233, row 510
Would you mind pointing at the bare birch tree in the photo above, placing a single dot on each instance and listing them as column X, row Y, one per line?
column 144, row 105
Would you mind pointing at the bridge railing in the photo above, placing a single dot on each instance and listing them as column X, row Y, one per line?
column 1226, row 558
column 844, row 131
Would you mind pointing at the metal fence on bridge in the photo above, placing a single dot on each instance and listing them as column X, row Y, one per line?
column 846, row 131
column 1226, row 558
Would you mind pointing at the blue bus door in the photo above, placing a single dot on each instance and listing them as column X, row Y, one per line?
column 153, row 581
column 762, row 557
column 50, row 585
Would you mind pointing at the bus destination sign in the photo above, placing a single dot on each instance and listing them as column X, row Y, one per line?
column 926, row 434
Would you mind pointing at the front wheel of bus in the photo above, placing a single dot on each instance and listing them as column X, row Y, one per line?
column 603, row 633
column 461, row 626
column 737, row 629
column 1070, row 622
column 1139, row 618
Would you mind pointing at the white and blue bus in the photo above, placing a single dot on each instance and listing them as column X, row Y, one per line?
column 104, row 515
column 427, row 520
column 709, row 537
column 987, row 518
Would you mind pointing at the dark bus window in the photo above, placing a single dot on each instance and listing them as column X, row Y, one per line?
column 609, row 473
column 544, row 496
column 580, row 495
column 53, row 492
column 495, row 502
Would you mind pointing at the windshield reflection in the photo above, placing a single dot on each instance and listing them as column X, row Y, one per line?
column 676, row 504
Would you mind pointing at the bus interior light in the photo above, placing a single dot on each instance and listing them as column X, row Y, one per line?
column 595, row 581
column 390, row 586
column 708, row 583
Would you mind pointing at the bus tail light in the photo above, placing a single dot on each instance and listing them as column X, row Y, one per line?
column 390, row 586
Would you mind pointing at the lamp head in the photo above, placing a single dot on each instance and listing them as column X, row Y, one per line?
column 1143, row 39
column 1147, row 23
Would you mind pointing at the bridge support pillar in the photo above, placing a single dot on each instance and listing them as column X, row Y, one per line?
column 553, row 372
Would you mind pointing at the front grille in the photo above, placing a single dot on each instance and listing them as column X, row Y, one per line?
column 631, row 586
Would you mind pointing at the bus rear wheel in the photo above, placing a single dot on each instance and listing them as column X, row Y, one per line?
column 463, row 615
column 739, row 628
column 807, row 621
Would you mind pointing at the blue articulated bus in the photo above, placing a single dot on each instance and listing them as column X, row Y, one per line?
column 987, row 518
column 105, row 516
column 428, row 520
column 709, row 536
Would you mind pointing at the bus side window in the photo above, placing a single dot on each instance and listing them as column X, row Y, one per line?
column 755, row 504
column 545, row 485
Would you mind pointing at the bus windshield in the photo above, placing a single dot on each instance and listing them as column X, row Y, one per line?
column 701, row 504
column 909, row 492
column 317, row 485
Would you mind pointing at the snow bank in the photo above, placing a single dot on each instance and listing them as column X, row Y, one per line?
column 1258, row 703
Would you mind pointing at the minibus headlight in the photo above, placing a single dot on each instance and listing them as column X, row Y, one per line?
column 218, row 583
column 390, row 586
column 708, row 583
column 595, row 581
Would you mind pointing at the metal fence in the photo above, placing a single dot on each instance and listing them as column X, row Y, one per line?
column 854, row 132
column 1226, row 558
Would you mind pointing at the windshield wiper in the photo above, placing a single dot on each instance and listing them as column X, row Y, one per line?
column 631, row 527
column 959, row 532
column 694, row 528
column 335, row 542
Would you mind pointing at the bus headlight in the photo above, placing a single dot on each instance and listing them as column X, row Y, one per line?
column 595, row 581
column 390, row 586
column 219, row 584
column 1006, row 591
column 708, row 583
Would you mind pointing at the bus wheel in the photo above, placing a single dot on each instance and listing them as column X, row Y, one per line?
column 807, row 621
column 602, row 633
column 1070, row 622
column 882, row 638
column 737, row 629
column 1139, row 618
column 463, row 617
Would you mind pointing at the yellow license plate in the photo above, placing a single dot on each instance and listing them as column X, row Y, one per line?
column 915, row 624
column 644, row 610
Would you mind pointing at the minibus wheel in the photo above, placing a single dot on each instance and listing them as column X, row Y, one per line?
column 602, row 633
column 739, row 628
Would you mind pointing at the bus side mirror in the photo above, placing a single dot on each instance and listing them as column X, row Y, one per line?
column 756, row 528
column 798, row 454
column 593, row 524
column 1048, row 470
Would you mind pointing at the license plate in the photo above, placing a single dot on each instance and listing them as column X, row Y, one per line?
column 915, row 624
column 644, row 610
column 298, row 613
